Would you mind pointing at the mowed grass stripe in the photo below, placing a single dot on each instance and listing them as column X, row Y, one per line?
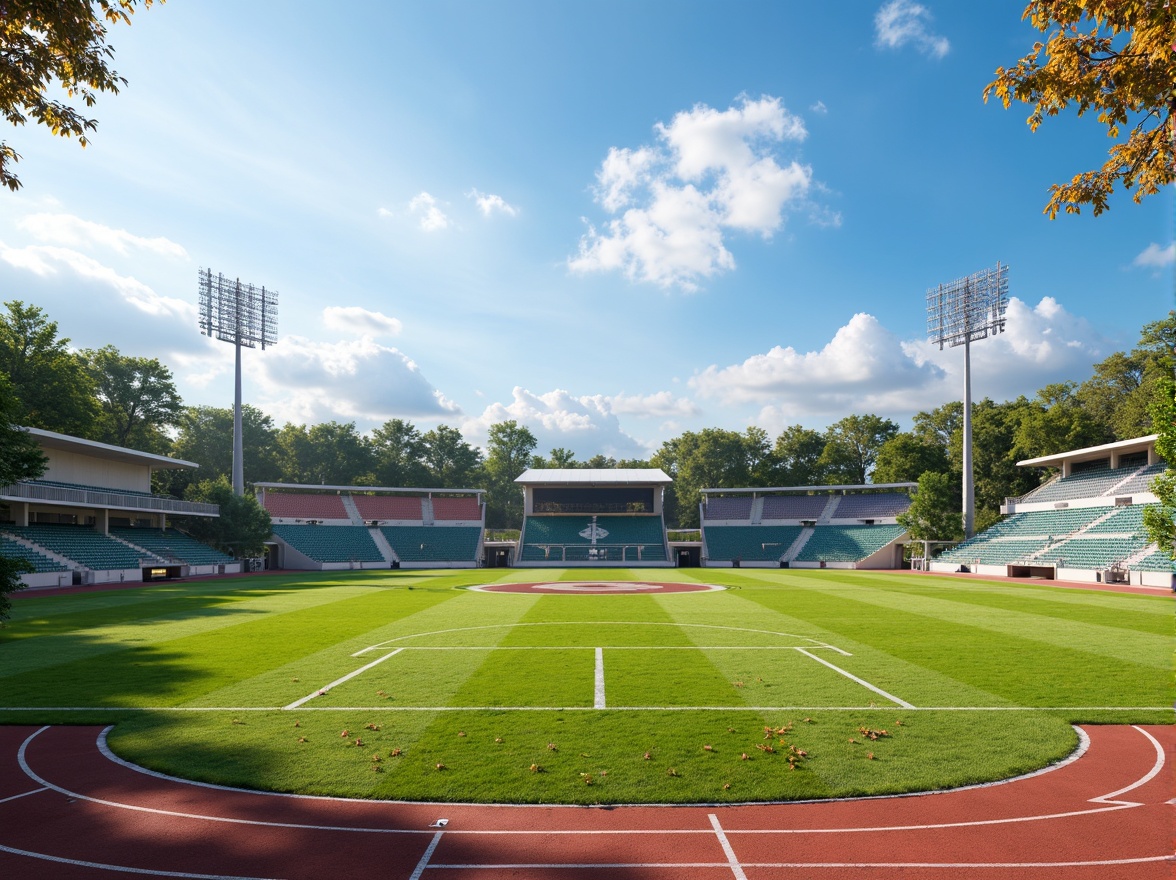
column 1150, row 614
column 1103, row 639
column 1020, row 669
column 175, row 671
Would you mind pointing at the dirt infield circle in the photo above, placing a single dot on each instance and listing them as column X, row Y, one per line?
column 595, row 588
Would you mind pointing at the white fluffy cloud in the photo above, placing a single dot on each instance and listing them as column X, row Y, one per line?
column 587, row 425
column 1155, row 257
column 360, row 321
column 489, row 204
column 711, row 172
column 74, row 232
column 428, row 212
column 906, row 23
column 304, row 381
column 866, row 368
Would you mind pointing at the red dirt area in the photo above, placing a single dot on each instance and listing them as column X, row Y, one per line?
column 596, row 588
column 71, row 809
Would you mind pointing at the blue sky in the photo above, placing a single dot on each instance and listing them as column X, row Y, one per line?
column 611, row 221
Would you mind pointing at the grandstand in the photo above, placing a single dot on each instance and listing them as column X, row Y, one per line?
column 1084, row 524
column 587, row 516
column 337, row 527
column 805, row 526
column 75, row 523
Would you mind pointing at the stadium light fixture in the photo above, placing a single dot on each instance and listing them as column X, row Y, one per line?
column 244, row 315
column 959, row 313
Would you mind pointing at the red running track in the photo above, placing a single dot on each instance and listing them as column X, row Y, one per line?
column 69, row 809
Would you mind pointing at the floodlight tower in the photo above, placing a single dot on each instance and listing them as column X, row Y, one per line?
column 960, row 313
column 245, row 316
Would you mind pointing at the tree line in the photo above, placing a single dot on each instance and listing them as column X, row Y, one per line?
column 132, row 401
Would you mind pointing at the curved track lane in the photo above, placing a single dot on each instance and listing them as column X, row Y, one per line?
column 69, row 809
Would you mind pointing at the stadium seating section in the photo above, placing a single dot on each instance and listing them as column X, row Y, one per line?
column 11, row 549
column 1096, row 482
column 794, row 506
column 751, row 543
column 872, row 506
column 728, row 507
column 461, row 508
column 294, row 505
column 331, row 543
column 172, row 545
column 83, row 545
column 433, row 543
column 1141, row 482
column 847, row 543
column 625, row 535
column 373, row 507
column 1156, row 561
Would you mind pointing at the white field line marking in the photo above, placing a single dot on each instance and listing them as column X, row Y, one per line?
column 860, row 681
column 736, row 869
column 122, row 869
column 22, row 794
column 622, row 648
column 1086, row 864
column 424, row 862
column 340, row 681
column 1159, row 764
column 816, row 643
column 598, row 696
column 4, row 709
column 32, row 774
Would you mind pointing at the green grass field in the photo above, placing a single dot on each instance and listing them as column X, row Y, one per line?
column 786, row 685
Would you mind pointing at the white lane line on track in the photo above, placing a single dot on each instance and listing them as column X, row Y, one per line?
column 424, row 862
column 123, row 869
column 1110, row 798
column 860, row 681
column 598, row 695
column 22, row 794
column 551, row 866
column 340, row 681
column 736, row 868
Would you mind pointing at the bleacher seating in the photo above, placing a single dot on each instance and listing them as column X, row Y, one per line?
column 172, row 545
column 847, row 543
column 1123, row 520
column 629, row 532
column 433, row 543
column 728, row 507
column 1158, row 560
column 794, row 506
column 299, row 505
column 1141, row 482
column 1045, row 523
column 1092, row 553
column 11, row 549
column 83, row 545
column 331, row 543
column 372, row 507
column 751, row 543
column 1087, row 484
column 871, row 506
column 460, row 508
column 1001, row 551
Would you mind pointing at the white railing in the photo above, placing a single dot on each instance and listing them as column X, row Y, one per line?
column 108, row 498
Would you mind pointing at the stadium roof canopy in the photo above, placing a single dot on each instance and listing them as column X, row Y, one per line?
column 594, row 477
column 1091, row 453
column 94, row 449
column 435, row 490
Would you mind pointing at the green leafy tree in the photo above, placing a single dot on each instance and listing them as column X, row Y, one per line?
column 48, row 48
column 1120, row 392
column 20, row 459
column 205, row 436
column 50, row 382
column 452, row 462
column 243, row 526
column 852, row 446
column 935, row 512
column 905, row 457
column 509, row 449
column 712, row 458
column 329, row 453
column 1056, row 422
column 559, row 458
column 398, row 450
column 138, row 399
column 796, row 458
column 1113, row 59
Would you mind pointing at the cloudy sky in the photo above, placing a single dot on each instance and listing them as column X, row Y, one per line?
column 611, row 221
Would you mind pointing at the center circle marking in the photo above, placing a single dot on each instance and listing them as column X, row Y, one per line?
column 595, row 588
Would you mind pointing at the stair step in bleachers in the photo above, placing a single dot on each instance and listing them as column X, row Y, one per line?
column 82, row 544
column 433, row 543
column 172, row 545
column 750, row 543
column 331, row 543
column 847, row 543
